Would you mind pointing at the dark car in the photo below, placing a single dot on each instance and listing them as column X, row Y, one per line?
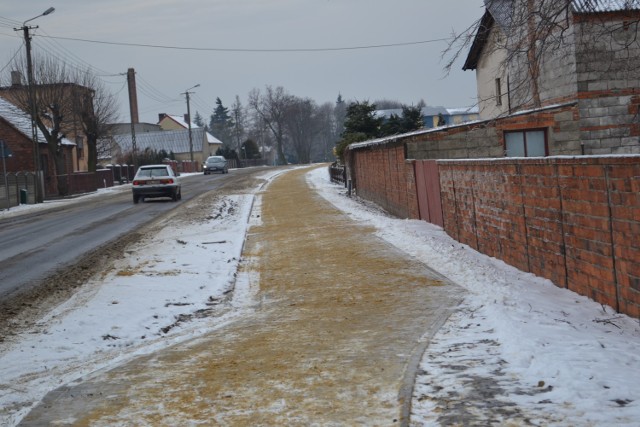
column 215, row 164
column 156, row 181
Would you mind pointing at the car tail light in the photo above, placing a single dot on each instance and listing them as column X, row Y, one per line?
column 167, row 181
column 138, row 182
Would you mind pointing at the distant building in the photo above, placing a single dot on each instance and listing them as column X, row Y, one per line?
column 172, row 122
column 437, row 116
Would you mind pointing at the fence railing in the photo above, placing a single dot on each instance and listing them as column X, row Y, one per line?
column 337, row 173
column 20, row 188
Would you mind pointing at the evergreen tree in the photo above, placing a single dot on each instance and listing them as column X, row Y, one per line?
column 392, row 126
column 361, row 119
column 198, row 120
column 339, row 115
column 227, row 152
column 220, row 123
column 360, row 124
column 250, row 149
column 411, row 118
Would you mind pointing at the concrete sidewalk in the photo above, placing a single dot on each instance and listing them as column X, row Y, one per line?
column 338, row 326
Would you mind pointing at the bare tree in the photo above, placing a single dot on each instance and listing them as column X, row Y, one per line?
column 238, row 118
column 531, row 39
column 95, row 110
column 53, row 102
column 271, row 108
column 302, row 127
column 325, row 139
column 260, row 133
column 68, row 104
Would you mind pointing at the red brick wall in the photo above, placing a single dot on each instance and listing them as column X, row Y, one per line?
column 20, row 146
column 575, row 221
column 383, row 176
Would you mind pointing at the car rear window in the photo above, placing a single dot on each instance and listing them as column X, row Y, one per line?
column 153, row 172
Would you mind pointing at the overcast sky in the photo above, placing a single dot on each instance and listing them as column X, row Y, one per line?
column 403, row 73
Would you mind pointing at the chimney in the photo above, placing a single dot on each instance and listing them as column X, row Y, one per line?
column 186, row 119
column 161, row 116
column 16, row 78
column 133, row 95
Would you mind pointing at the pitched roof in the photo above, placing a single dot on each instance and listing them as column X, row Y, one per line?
column 176, row 141
column 501, row 12
column 480, row 39
column 463, row 110
column 182, row 122
column 16, row 117
column 21, row 121
column 598, row 6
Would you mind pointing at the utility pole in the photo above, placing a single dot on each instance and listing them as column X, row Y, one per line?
column 32, row 104
column 187, row 93
column 4, row 153
column 133, row 109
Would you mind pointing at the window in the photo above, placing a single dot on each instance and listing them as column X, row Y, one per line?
column 80, row 146
column 527, row 143
column 498, row 92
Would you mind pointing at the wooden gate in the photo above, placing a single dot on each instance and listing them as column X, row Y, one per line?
column 428, row 189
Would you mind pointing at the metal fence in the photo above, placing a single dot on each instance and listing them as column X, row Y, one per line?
column 337, row 173
column 17, row 188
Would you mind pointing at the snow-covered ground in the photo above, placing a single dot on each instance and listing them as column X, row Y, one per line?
column 528, row 342
column 517, row 339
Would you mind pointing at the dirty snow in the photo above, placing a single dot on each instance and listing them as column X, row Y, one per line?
column 518, row 348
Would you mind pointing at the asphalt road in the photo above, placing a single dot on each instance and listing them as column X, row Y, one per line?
column 36, row 245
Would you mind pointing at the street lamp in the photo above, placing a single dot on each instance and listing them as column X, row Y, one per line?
column 187, row 93
column 32, row 101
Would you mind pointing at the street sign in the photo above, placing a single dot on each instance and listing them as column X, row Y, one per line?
column 5, row 152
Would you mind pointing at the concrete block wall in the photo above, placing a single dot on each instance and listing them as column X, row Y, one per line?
column 608, row 78
column 575, row 221
column 463, row 142
column 486, row 139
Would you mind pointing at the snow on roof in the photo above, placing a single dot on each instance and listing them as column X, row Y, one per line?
column 176, row 141
column 212, row 139
column 16, row 117
column 22, row 121
column 387, row 113
column 426, row 111
column 501, row 11
column 463, row 110
column 182, row 122
column 595, row 6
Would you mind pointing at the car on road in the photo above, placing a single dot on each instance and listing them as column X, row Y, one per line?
column 156, row 181
column 215, row 164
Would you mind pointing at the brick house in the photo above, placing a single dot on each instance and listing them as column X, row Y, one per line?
column 70, row 94
column 15, row 131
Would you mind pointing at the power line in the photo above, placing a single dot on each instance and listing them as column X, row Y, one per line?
column 215, row 49
column 12, row 58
